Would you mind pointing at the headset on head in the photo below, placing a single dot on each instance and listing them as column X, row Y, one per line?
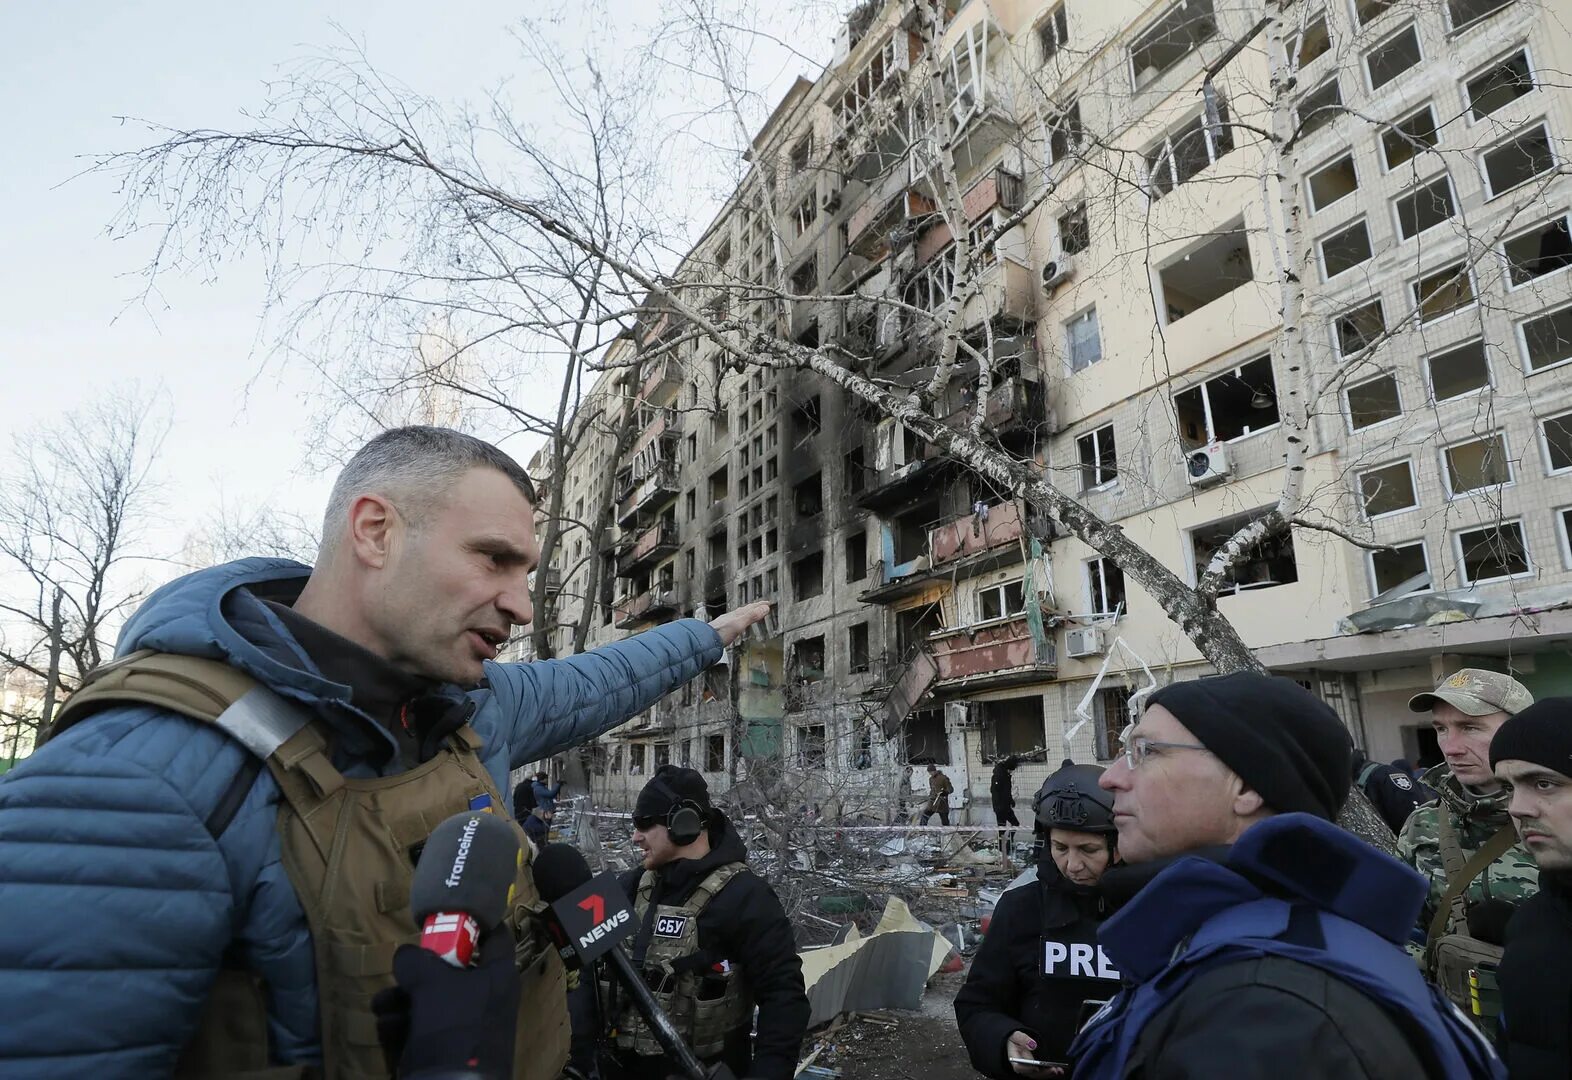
column 686, row 818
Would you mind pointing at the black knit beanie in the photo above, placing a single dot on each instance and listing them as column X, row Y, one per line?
column 1541, row 735
column 670, row 785
column 1286, row 745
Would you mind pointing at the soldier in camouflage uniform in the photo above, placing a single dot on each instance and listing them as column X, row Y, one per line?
column 1465, row 710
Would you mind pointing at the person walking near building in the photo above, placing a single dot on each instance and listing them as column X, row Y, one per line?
column 712, row 941
column 939, row 789
column 1464, row 843
column 1262, row 941
column 1040, row 972
column 1531, row 755
column 1001, row 790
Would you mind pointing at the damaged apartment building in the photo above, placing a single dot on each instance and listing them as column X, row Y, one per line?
column 1135, row 323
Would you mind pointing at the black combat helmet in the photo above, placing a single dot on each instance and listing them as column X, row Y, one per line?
column 1071, row 799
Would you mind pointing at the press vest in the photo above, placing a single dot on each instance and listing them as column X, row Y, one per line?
column 349, row 848
column 705, row 1005
column 1068, row 959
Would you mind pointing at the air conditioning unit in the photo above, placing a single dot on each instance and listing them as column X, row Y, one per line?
column 1057, row 271
column 1208, row 465
column 1085, row 641
column 830, row 201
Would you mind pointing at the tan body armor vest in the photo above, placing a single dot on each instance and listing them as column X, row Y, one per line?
column 704, row 1006
column 348, row 850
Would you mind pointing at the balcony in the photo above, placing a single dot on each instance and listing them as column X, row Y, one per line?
column 662, row 381
column 992, row 654
column 804, row 694
column 651, row 604
column 657, row 423
column 660, row 483
column 894, row 204
column 648, row 548
column 977, row 538
column 897, row 484
column 1014, row 407
column 551, row 577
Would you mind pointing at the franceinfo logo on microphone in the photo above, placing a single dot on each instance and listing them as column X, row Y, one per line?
column 466, row 840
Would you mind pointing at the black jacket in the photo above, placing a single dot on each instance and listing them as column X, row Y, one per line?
column 1001, row 786
column 1005, row 991
column 743, row 923
column 1394, row 793
column 1536, row 984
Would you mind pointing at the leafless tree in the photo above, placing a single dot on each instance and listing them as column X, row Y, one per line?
column 73, row 508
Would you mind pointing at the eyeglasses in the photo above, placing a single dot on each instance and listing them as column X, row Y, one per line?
column 1138, row 748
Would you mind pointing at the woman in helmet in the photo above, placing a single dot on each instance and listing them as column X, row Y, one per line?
column 1039, row 973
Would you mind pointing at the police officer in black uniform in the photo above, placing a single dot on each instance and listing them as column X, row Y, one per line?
column 1039, row 973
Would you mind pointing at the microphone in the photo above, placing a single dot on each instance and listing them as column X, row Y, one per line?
column 564, row 881
column 463, row 883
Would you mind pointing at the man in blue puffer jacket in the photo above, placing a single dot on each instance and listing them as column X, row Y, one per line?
column 118, row 897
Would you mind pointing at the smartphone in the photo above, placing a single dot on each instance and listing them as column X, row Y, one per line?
column 1040, row 1064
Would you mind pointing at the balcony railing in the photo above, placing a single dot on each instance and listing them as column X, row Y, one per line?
column 662, row 381
column 654, row 543
column 657, row 422
column 552, row 579
column 642, row 607
column 976, row 533
column 994, row 652
column 1012, row 405
column 660, row 482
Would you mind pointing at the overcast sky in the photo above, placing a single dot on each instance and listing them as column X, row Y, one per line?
column 66, row 330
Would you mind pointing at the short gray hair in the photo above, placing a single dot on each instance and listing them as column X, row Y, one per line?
column 414, row 467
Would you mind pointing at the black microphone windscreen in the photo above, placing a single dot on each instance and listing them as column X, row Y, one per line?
column 559, row 869
column 469, row 864
column 1487, row 920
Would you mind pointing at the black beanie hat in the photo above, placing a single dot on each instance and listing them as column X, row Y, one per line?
column 1286, row 745
column 1541, row 734
column 670, row 785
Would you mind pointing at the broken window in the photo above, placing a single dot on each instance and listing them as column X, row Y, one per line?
column 1477, row 464
column 925, row 738
column 801, row 153
column 718, row 485
column 1388, row 489
column 1332, row 182
column 810, row 746
column 1557, row 432
column 1186, row 151
column 855, row 472
column 856, row 553
column 1367, row 10
column 1104, row 585
column 1064, row 132
column 1207, row 273
column 1394, row 566
column 1074, row 231
column 1458, row 371
column 1319, row 107
column 808, row 497
column 1409, row 136
column 662, row 754
column 1344, row 250
column 1443, row 292
column 808, row 659
column 1493, row 553
column 1111, row 711
column 1265, row 564
column 805, row 214
column 715, row 753
column 1315, row 41
column 1053, row 33
column 998, row 601
column 857, row 658
column 1541, row 250
column 1392, row 57
column 1011, row 726
column 807, row 577
column 1099, row 458
column 910, row 530
column 1425, row 208
column 1462, row 12
column 1518, row 160
column 1082, row 341
column 1228, row 406
column 1356, row 328
column 690, row 501
column 1170, row 39
column 1547, row 339
column 805, row 279
column 805, row 420
column 1499, row 85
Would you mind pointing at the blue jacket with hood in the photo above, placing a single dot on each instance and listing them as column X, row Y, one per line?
column 117, row 905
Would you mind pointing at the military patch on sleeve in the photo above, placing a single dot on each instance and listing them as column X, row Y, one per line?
column 671, row 926
column 1402, row 781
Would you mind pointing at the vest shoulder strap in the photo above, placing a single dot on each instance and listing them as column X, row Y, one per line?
column 716, row 880
column 1453, row 905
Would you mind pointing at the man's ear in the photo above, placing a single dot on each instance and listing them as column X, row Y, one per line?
column 372, row 523
column 1247, row 803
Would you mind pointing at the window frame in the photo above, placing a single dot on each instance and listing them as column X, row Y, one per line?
column 1446, row 470
column 1413, row 483
column 1057, row 18
column 1130, row 50
column 1418, row 303
column 1429, row 106
column 1161, row 153
column 1520, row 332
column 1348, row 413
column 1544, row 442
column 1490, row 65
column 1430, row 390
column 1001, row 588
column 1311, row 174
column 1296, row 42
column 1456, row 28
column 1506, row 260
column 1457, row 549
column 1414, row 191
column 1364, row 64
column 1338, row 317
column 1362, row 221
column 1340, row 106
column 1484, row 169
column 1370, row 574
column 1094, row 573
column 1095, row 435
column 1206, row 400
column 1563, row 538
column 1089, row 312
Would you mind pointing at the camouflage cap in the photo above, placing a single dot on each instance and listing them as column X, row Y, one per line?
column 1476, row 692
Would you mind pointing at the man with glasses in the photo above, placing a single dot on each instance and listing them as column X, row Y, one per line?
column 1262, row 940
column 712, row 942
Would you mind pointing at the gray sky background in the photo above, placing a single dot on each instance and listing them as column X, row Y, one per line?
column 67, row 327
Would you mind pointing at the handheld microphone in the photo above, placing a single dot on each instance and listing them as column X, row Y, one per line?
column 564, row 881
column 463, row 883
